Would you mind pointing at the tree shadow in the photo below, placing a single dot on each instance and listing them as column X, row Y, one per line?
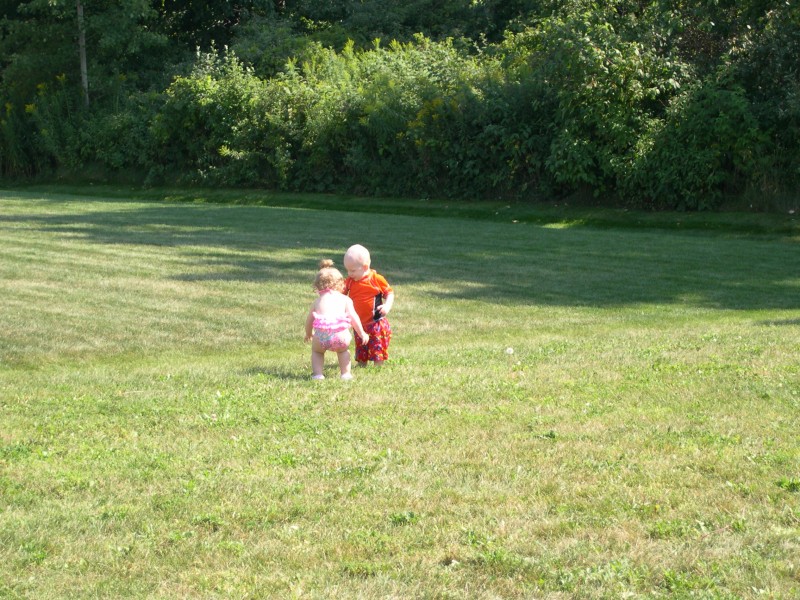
column 589, row 267
column 225, row 243
column 780, row 323
column 284, row 374
column 497, row 263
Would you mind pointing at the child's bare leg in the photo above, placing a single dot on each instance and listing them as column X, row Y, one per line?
column 344, row 363
column 317, row 359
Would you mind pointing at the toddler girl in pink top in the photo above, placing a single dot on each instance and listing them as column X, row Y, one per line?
column 329, row 321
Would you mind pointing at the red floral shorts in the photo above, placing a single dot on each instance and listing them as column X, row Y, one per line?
column 380, row 333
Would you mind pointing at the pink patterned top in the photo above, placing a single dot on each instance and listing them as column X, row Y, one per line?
column 331, row 324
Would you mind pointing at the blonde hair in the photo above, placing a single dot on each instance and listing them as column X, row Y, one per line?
column 359, row 254
column 328, row 277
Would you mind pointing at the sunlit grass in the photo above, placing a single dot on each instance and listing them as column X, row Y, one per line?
column 160, row 435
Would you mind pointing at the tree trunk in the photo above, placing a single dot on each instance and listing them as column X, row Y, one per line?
column 82, row 53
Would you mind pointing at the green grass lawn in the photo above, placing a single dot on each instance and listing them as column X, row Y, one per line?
column 160, row 436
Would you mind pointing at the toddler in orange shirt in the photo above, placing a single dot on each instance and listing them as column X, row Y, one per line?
column 373, row 298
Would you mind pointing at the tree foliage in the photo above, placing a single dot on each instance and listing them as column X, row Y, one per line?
column 650, row 103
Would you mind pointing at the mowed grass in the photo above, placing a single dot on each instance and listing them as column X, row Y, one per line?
column 569, row 412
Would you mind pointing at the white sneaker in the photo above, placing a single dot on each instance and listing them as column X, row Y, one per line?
column 347, row 376
column 318, row 377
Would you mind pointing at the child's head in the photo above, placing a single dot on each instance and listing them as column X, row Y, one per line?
column 328, row 277
column 357, row 261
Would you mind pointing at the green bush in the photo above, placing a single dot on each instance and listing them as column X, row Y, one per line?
column 423, row 118
column 18, row 156
column 43, row 134
column 766, row 68
column 222, row 125
column 119, row 140
column 708, row 145
column 602, row 92
column 658, row 106
column 268, row 45
column 401, row 120
column 199, row 114
column 392, row 149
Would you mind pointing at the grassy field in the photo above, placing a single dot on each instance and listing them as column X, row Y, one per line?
column 576, row 407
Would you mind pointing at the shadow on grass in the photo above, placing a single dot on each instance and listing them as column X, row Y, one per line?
column 448, row 258
column 780, row 323
column 284, row 374
column 538, row 213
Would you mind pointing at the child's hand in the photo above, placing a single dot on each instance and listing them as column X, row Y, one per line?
column 307, row 338
column 365, row 338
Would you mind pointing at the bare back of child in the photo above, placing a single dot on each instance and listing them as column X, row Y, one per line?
column 329, row 321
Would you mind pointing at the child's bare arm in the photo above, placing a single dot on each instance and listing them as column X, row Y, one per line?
column 309, row 326
column 356, row 322
column 387, row 304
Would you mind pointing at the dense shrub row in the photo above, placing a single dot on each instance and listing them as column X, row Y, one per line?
column 577, row 102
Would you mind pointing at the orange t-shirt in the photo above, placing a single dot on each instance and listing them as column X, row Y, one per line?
column 367, row 294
